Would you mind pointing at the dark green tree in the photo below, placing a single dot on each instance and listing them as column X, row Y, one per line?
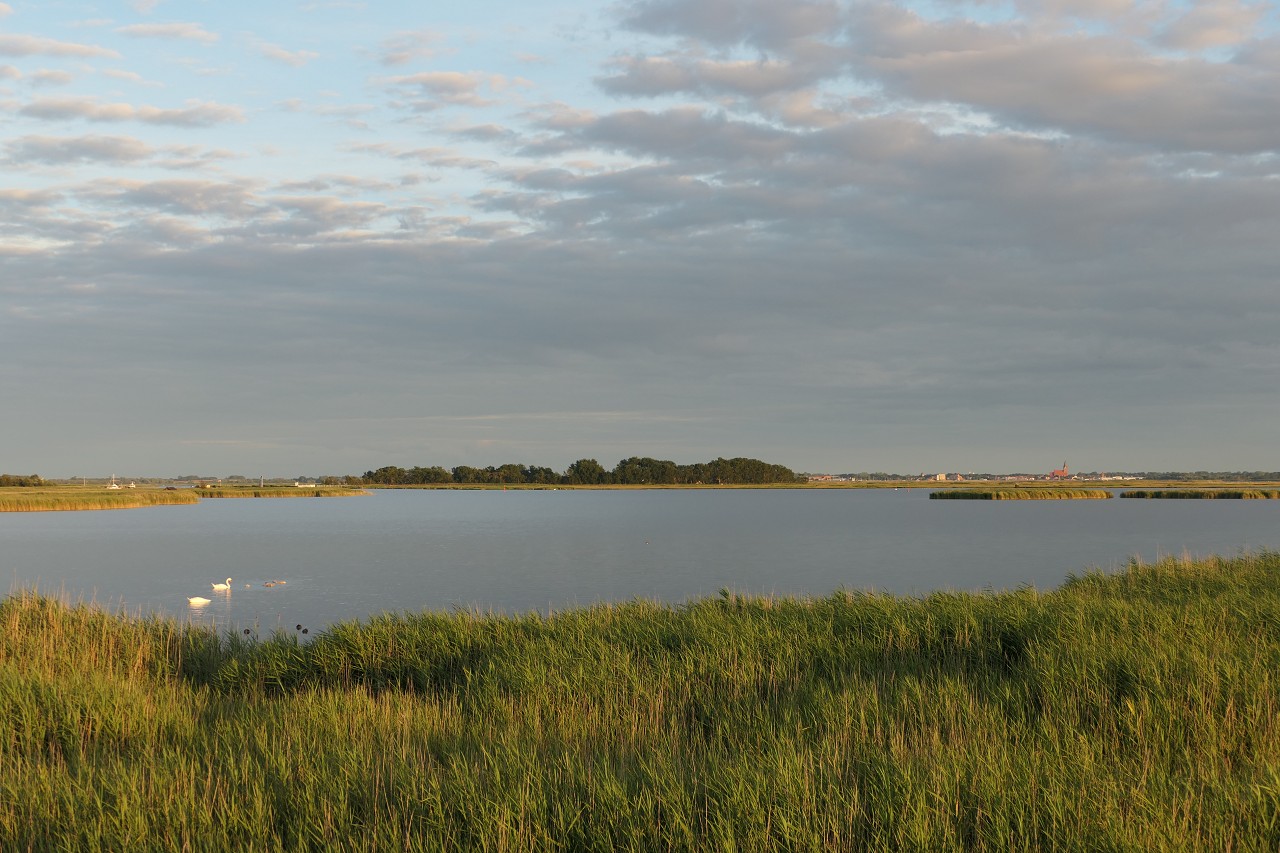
column 586, row 472
column 467, row 474
column 643, row 470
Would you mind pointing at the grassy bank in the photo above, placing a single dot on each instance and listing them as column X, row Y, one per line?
column 78, row 498
column 1204, row 494
column 1139, row 711
column 1040, row 494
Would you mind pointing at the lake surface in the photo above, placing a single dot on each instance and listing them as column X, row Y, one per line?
column 517, row 551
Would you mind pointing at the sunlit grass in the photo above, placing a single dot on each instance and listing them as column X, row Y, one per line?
column 45, row 499
column 53, row 498
column 1204, row 494
column 1039, row 494
column 1136, row 711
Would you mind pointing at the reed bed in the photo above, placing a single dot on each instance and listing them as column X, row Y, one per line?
column 1134, row 711
column 1041, row 494
column 1204, row 494
column 75, row 498
column 280, row 492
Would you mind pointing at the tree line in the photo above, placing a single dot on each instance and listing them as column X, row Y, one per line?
column 634, row 470
column 20, row 480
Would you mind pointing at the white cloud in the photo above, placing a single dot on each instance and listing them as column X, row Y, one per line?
column 457, row 88
column 189, row 31
column 81, row 149
column 405, row 47
column 195, row 114
column 179, row 196
column 671, row 74
column 48, row 77
column 295, row 58
column 26, row 45
column 130, row 76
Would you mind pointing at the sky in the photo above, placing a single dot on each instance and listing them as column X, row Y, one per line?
column 307, row 238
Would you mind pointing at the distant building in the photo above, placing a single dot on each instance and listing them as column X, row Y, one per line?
column 1059, row 473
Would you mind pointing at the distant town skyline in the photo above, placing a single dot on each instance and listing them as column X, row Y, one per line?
column 838, row 235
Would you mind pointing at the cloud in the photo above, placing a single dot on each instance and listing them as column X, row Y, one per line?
column 40, row 198
column 440, row 157
column 760, row 23
column 180, row 196
column 309, row 215
column 692, row 135
column 195, row 114
column 1040, row 72
column 1213, row 24
column 188, row 31
column 405, row 47
column 486, row 133
column 79, row 149
column 5, row 10
column 456, row 88
column 1072, row 83
column 130, row 76
column 822, row 228
column 25, row 45
column 652, row 76
column 295, row 58
column 46, row 77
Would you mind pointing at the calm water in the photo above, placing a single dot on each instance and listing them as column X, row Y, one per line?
column 349, row 558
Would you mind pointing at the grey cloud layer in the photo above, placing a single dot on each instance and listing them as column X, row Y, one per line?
column 817, row 220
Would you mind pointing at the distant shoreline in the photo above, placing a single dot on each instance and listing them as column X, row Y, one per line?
column 65, row 497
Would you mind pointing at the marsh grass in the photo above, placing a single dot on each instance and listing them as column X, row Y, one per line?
column 1135, row 711
column 93, row 498
column 1204, row 494
column 1037, row 494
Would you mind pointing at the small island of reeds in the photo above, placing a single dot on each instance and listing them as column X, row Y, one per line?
column 1044, row 494
column 55, row 498
column 48, row 498
column 280, row 492
column 1130, row 711
column 1204, row 494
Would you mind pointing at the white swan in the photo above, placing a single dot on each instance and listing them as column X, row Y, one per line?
column 219, row 587
column 197, row 601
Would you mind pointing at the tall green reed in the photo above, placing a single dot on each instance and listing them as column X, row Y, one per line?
column 1136, row 710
